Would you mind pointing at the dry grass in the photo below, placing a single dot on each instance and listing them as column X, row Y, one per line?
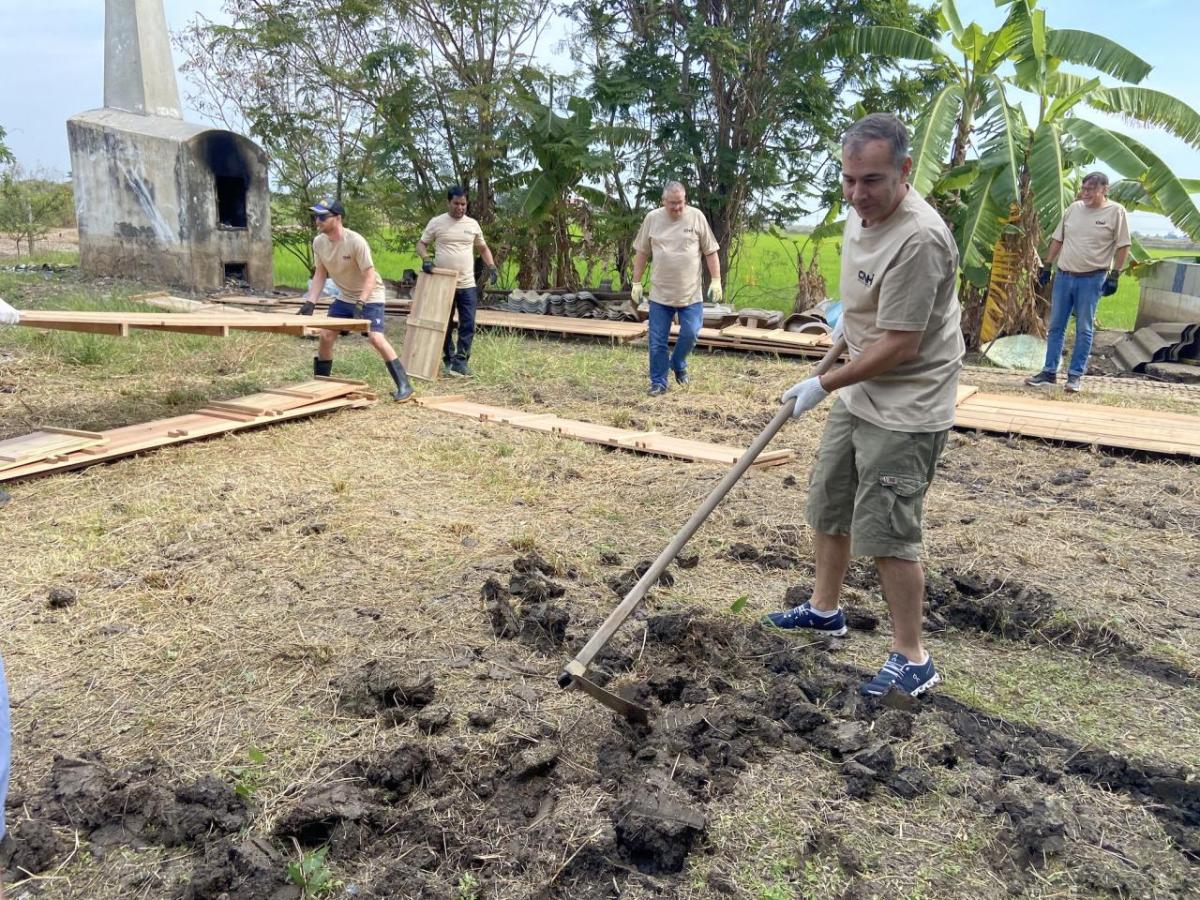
column 223, row 586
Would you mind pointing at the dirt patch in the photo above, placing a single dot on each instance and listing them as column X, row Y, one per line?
column 523, row 610
column 384, row 687
column 1014, row 611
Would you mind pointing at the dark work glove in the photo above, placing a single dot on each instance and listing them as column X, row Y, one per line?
column 427, row 267
column 1110, row 283
column 492, row 274
column 1043, row 276
column 306, row 308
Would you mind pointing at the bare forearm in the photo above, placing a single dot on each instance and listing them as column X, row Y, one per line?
column 895, row 349
column 713, row 261
column 639, row 266
column 318, row 283
column 370, row 279
column 422, row 250
column 1122, row 255
column 486, row 252
column 1052, row 253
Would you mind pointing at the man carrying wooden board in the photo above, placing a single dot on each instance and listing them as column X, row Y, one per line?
column 345, row 256
column 456, row 237
column 896, row 402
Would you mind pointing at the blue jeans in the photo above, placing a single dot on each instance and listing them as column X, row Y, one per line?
column 1078, row 294
column 465, row 301
column 661, row 317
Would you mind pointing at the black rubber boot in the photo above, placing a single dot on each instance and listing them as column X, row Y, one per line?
column 322, row 367
column 404, row 390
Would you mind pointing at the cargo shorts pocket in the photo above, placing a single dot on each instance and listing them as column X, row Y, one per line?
column 904, row 497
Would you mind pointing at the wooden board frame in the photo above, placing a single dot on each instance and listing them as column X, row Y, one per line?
column 428, row 320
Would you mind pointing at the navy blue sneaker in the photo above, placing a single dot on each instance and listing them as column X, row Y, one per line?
column 899, row 673
column 803, row 616
column 681, row 376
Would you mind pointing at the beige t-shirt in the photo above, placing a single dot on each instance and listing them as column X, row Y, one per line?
column 901, row 274
column 676, row 246
column 1091, row 237
column 347, row 262
column 455, row 241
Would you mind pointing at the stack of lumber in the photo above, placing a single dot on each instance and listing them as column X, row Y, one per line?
column 597, row 328
column 215, row 324
column 1175, row 434
column 49, row 450
column 761, row 340
column 638, row 441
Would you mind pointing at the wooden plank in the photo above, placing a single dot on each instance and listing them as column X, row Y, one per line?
column 145, row 436
column 275, row 401
column 965, row 391
column 119, row 323
column 43, row 443
column 567, row 325
column 639, row 441
column 428, row 319
column 1170, row 433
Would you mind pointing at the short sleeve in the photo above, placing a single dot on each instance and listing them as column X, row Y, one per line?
column 708, row 240
column 1058, row 231
column 1122, row 228
column 479, row 239
column 429, row 235
column 641, row 243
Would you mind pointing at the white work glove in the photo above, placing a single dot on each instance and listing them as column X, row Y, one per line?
column 806, row 394
column 635, row 293
column 8, row 315
column 715, row 292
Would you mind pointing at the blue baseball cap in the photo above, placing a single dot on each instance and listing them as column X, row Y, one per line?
column 328, row 207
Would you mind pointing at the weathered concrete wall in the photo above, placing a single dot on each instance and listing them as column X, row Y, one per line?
column 1169, row 293
column 149, row 204
column 139, row 75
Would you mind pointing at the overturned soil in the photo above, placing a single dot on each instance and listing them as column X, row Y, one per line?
column 332, row 648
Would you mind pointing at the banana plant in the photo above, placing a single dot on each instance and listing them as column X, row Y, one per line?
column 984, row 161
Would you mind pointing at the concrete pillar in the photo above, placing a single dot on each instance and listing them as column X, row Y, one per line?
column 139, row 75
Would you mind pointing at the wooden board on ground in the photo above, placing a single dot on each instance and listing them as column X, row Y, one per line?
column 45, row 443
column 428, row 319
column 1080, row 423
column 119, row 324
column 638, row 441
column 131, row 439
column 566, row 325
column 274, row 401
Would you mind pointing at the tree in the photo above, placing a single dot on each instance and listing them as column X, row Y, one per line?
column 1005, row 179
column 742, row 102
column 32, row 204
column 6, row 156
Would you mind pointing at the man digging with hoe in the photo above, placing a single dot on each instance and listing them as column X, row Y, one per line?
column 896, row 399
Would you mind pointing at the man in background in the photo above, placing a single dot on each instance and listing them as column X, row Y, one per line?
column 678, row 237
column 345, row 256
column 1092, row 236
column 456, row 237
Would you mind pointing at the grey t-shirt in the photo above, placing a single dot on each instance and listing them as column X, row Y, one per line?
column 901, row 274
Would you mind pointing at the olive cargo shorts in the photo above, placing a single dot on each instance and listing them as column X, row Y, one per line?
column 870, row 483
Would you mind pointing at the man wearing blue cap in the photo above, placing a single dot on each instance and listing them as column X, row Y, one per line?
column 344, row 256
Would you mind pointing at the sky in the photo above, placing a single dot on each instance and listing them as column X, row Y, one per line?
column 55, row 66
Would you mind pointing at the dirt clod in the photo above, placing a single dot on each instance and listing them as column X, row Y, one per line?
column 535, row 760
column 61, row 597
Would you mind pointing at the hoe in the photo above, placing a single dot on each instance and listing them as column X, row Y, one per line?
column 576, row 672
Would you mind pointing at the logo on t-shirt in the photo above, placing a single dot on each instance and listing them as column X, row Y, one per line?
column 866, row 279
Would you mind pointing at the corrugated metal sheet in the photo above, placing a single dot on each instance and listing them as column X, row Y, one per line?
column 1163, row 342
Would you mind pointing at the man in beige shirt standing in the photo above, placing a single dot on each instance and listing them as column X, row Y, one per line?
column 344, row 256
column 1093, row 235
column 895, row 403
column 678, row 237
column 456, row 237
